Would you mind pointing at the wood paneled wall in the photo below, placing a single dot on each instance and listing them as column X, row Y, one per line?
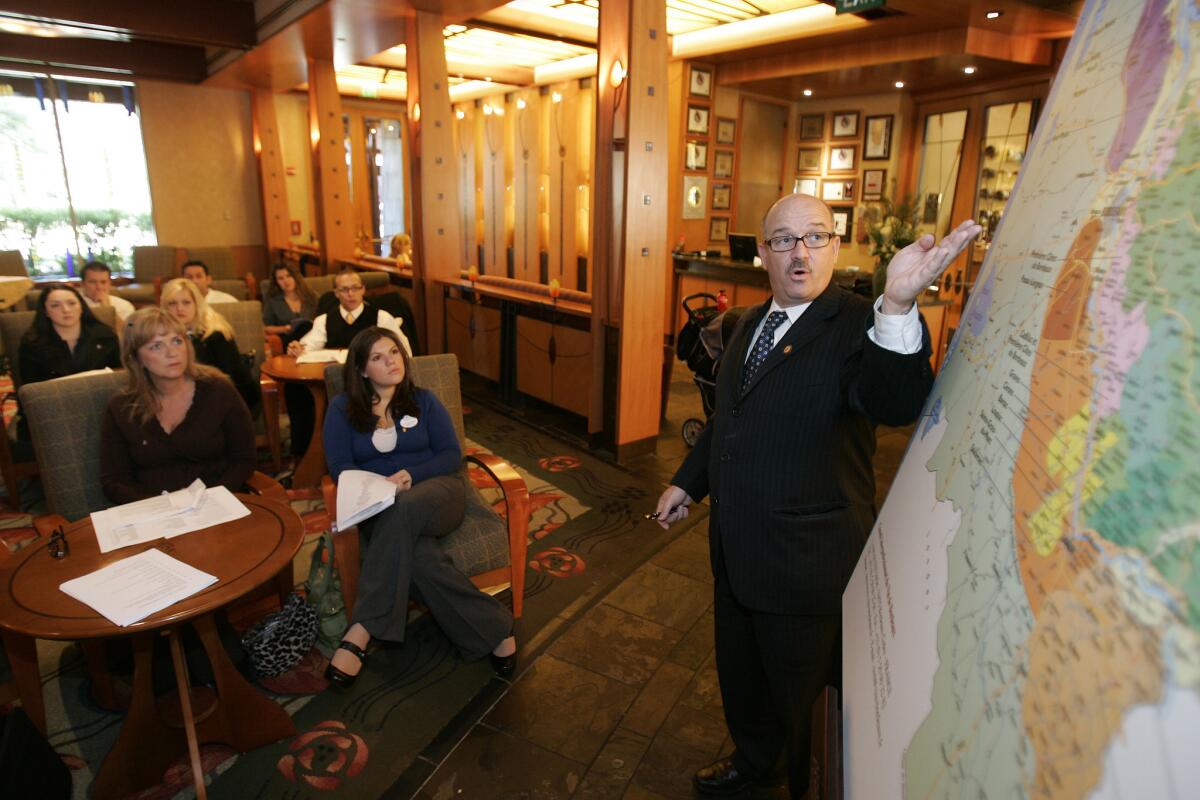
column 331, row 185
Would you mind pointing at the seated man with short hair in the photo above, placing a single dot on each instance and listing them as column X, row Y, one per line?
column 197, row 273
column 97, row 283
column 335, row 328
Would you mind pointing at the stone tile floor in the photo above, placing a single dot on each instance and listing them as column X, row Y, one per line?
column 623, row 703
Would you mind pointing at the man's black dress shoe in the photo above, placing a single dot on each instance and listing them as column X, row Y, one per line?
column 723, row 778
column 504, row 666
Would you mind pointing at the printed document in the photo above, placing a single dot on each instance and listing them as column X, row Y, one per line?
column 168, row 515
column 361, row 495
column 136, row 587
column 322, row 357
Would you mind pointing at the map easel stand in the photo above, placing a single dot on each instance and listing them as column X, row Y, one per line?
column 825, row 761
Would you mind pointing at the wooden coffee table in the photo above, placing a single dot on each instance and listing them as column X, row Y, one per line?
column 243, row 554
column 284, row 368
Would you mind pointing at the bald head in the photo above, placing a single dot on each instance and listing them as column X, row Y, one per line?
column 788, row 203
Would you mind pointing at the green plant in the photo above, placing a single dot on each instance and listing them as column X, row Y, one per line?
column 890, row 227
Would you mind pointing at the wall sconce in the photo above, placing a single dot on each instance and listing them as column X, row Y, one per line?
column 616, row 75
column 416, row 112
column 487, row 110
column 460, row 113
column 314, row 134
column 521, row 103
column 556, row 97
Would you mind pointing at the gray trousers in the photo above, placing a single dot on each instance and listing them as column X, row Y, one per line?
column 401, row 557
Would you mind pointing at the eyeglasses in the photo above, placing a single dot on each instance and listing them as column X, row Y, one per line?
column 813, row 241
column 348, row 289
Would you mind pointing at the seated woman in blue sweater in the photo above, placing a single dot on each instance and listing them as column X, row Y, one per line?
column 385, row 424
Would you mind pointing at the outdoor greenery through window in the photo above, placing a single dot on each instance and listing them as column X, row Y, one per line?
column 73, row 182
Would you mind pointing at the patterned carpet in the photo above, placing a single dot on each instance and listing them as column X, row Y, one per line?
column 585, row 537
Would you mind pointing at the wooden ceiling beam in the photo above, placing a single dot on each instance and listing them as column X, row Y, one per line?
column 224, row 23
column 172, row 62
column 1006, row 47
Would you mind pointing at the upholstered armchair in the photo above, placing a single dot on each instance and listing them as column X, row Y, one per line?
column 246, row 319
column 488, row 549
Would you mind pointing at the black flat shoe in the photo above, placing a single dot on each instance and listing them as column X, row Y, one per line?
column 723, row 779
column 504, row 666
column 341, row 679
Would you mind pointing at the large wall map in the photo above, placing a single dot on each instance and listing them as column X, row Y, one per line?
column 1025, row 620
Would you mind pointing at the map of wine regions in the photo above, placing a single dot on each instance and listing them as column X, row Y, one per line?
column 1025, row 620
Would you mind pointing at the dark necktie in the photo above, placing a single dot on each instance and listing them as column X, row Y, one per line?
column 762, row 346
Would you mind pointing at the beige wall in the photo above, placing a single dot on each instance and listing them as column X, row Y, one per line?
column 291, row 112
column 200, row 159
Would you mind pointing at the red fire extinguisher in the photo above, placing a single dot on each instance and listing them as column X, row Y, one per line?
column 722, row 301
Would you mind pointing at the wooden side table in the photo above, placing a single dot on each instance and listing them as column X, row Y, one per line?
column 284, row 368
column 243, row 554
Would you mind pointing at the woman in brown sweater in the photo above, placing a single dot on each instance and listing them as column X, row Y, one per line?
column 177, row 420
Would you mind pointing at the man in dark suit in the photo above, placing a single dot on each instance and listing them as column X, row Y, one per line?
column 786, row 463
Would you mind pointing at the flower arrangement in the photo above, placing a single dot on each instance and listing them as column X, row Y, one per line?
column 890, row 227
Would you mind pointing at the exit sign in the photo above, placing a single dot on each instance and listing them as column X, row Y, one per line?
column 855, row 6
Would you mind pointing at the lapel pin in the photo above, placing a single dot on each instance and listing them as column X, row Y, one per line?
column 787, row 349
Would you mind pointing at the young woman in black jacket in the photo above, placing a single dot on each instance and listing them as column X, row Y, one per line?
column 65, row 338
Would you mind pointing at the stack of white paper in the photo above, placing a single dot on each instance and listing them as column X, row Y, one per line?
column 134, row 588
column 361, row 495
column 168, row 515
column 322, row 357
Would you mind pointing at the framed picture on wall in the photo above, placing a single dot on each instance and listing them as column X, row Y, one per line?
column 805, row 186
column 718, row 229
column 845, row 124
column 696, row 156
column 809, row 159
column 843, row 219
column 812, row 126
column 725, row 130
column 839, row 189
column 723, row 164
column 843, row 158
column 874, row 180
column 697, row 121
column 695, row 196
column 877, row 138
column 700, row 81
column 721, row 194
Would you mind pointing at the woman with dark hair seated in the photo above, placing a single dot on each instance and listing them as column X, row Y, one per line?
column 211, row 335
column 65, row 338
column 385, row 424
column 176, row 420
column 289, row 305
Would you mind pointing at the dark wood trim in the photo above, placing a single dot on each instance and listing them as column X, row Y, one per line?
column 225, row 23
column 173, row 62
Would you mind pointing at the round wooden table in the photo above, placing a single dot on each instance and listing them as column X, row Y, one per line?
column 284, row 368
column 244, row 555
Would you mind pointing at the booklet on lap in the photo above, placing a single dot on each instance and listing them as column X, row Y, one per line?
column 361, row 495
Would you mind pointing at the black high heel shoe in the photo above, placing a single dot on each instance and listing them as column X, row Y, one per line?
column 344, row 680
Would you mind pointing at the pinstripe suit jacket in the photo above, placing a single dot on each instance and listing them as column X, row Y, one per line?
column 787, row 463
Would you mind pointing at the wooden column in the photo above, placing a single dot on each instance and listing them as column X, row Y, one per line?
column 437, row 227
column 526, row 182
column 270, row 170
column 629, row 225
column 334, row 221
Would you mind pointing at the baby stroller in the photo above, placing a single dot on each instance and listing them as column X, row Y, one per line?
column 700, row 344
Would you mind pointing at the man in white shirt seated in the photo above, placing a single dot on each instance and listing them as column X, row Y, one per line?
column 197, row 273
column 97, row 283
column 335, row 329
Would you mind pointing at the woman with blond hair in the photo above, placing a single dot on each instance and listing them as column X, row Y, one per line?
column 176, row 420
column 211, row 335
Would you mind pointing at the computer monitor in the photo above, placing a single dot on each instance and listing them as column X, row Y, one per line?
column 743, row 247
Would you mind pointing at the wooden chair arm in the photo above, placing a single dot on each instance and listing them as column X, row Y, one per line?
column 266, row 486
column 516, row 503
column 46, row 523
column 329, row 495
column 273, row 343
column 345, row 546
column 251, row 286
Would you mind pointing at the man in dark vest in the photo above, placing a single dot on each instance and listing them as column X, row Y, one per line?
column 336, row 328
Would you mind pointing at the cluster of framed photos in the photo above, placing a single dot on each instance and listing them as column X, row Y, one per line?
column 826, row 158
column 707, row 136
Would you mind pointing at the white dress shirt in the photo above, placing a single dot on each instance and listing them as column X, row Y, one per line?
column 316, row 338
column 900, row 333
column 122, row 307
column 217, row 296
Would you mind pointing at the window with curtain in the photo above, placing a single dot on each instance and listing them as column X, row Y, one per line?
column 73, row 182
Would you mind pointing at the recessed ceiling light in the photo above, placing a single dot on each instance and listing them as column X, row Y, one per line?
column 899, row 84
column 969, row 70
column 994, row 14
column 808, row 92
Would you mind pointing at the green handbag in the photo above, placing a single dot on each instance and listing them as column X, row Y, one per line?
column 325, row 593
